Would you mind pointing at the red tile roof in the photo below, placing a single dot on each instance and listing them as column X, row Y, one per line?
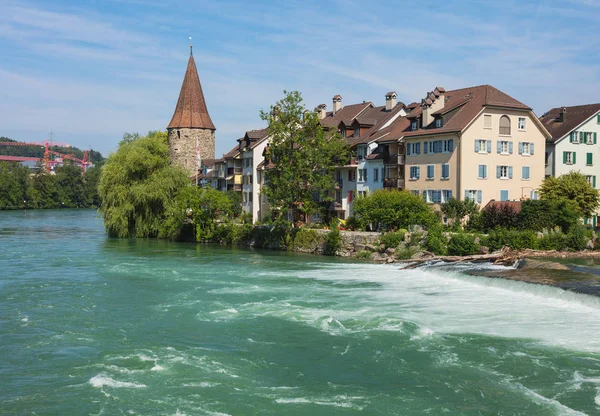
column 514, row 205
column 191, row 111
column 575, row 116
column 346, row 114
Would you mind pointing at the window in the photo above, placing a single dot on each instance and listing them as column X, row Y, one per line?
column 415, row 173
column 483, row 146
column 504, row 172
column 569, row 158
column 525, row 173
column 361, row 152
column 482, row 172
column 343, row 133
column 521, row 124
column 433, row 196
column 448, row 146
column 413, row 149
column 526, row 148
column 445, row 171
column 574, row 137
column 430, row 172
column 591, row 180
column 533, row 195
column 362, row 175
column 504, row 195
column 413, row 125
column 487, row 121
column 362, row 193
column 591, row 138
column 438, row 122
column 474, row 195
column 589, row 160
column 351, row 175
column 547, row 158
column 505, row 147
column 416, row 192
column 357, row 132
column 446, row 195
column 505, row 125
column 376, row 175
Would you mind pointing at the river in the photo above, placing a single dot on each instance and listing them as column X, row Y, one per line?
column 97, row 326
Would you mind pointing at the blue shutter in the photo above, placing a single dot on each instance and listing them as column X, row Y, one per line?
column 504, row 195
column 476, row 146
column 480, row 171
column 449, row 194
column 479, row 197
column 451, row 144
column 466, row 194
column 489, row 146
column 418, row 148
column 520, row 148
column 485, row 171
column 498, row 172
column 510, row 172
column 531, row 149
column 510, row 148
column 425, row 150
column 418, row 175
column 499, row 146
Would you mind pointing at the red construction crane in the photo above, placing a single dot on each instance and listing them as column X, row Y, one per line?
column 47, row 161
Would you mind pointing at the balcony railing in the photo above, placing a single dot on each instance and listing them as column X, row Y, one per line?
column 393, row 183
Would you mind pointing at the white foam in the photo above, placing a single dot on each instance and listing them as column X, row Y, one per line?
column 102, row 380
column 319, row 402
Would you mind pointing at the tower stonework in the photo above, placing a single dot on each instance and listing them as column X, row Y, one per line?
column 191, row 124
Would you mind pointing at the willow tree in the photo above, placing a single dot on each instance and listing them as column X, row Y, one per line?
column 304, row 157
column 136, row 184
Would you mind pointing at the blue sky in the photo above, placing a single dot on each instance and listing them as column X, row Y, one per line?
column 92, row 70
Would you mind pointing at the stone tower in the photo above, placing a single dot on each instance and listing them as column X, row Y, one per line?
column 191, row 124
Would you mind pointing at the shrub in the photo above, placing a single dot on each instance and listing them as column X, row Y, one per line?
column 515, row 239
column 246, row 218
column 577, row 238
column 352, row 224
column 545, row 214
column 494, row 216
column 392, row 239
column 307, row 238
column 436, row 241
column 392, row 210
column 462, row 245
column 406, row 253
column 553, row 240
column 456, row 210
column 333, row 242
column 363, row 254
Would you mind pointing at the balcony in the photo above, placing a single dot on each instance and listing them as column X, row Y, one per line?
column 339, row 183
column 393, row 183
column 335, row 206
column 401, row 160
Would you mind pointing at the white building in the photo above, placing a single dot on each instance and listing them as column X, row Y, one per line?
column 574, row 143
column 251, row 148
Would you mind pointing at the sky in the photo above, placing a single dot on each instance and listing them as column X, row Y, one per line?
column 91, row 70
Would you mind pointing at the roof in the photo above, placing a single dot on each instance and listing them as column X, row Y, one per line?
column 191, row 111
column 514, row 205
column 232, row 153
column 346, row 113
column 209, row 163
column 575, row 116
column 374, row 117
column 467, row 103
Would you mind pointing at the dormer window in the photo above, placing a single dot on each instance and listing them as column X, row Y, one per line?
column 413, row 125
column 438, row 122
column 343, row 133
column 357, row 132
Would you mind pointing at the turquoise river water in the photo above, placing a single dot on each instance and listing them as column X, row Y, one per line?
column 96, row 326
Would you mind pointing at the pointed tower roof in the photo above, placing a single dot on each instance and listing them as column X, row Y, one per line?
column 191, row 111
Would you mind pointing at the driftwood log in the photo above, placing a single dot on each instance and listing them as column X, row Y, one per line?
column 506, row 257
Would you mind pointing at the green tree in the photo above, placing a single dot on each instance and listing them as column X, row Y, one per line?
column 236, row 202
column 456, row 210
column 14, row 182
column 202, row 208
column 92, row 181
column 137, row 184
column 305, row 157
column 394, row 210
column 572, row 186
column 71, row 187
column 543, row 214
column 44, row 191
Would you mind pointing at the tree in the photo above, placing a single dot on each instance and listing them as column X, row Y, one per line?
column 456, row 210
column 71, row 187
column 92, row 180
column 572, row 186
column 543, row 214
column 136, row 185
column 14, row 181
column 202, row 208
column 393, row 210
column 304, row 156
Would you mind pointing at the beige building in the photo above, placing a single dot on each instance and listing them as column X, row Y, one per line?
column 477, row 143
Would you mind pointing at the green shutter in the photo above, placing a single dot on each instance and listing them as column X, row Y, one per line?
column 565, row 158
column 595, row 136
column 585, row 221
column 589, row 159
column 574, row 157
column 594, row 181
column 571, row 137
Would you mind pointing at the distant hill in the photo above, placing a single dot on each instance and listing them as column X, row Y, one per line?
column 38, row 151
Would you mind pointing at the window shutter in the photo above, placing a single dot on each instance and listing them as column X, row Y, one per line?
column 510, row 148
column 476, row 146
column 499, row 146
column 588, row 159
column 571, row 137
column 479, row 197
column 425, row 150
column 520, row 148
column 594, row 181
column 531, row 149
column 574, row 157
column 418, row 148
column 480, row 171
column 466, row 195
column 595, row 135
column 485, row 171
column 510, row 172
column 451, row 144
column 565, row 158
column 498, row 172
column 418, row 172
column 524, row 172
column 489, row 146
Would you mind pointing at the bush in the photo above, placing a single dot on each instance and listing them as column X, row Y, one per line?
column 406, row 253
column 462, row 245
column 246, row 218
column 456, row 210
column 546, row 214
column 553, row 240
column 577, row 238
column 307, row 239
column 392, row 239
column 333, row 242
column 353, row 224
column 363, row 254
column 436, row 241
column 493, row 216
column 394, row 209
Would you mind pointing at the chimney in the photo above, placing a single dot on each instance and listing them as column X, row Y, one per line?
column 427, row 118
column 562, row 116
column 337, row 103
column 390, row 100
column 322, row 111
column 441, row 94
